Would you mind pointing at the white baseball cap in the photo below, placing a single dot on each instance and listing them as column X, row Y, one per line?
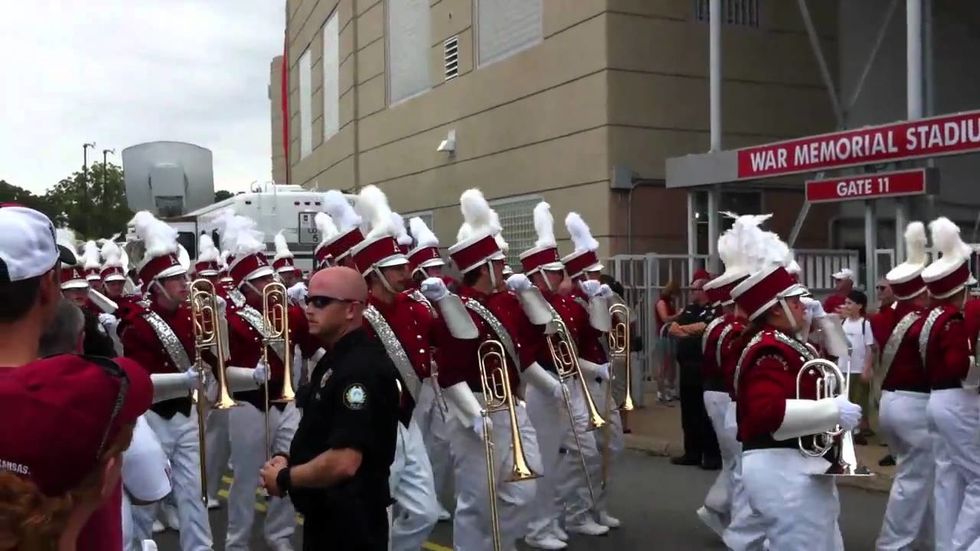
column 845, row 273
column 27, row 244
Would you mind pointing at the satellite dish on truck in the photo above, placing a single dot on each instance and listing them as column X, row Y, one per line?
column 168, row 178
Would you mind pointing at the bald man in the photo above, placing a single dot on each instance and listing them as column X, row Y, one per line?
column 337, row 469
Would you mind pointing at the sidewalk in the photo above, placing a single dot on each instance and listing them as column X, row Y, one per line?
column 657, row 431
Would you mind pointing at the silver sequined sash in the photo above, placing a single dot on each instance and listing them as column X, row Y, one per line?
column 254, row 318
column 171, row 344
column 721, row 342
column 417, row 296
column 926, row 331
column 395, row 350
column 497, row 328
column 707, row 332
column 805, row 352
column 895, row 341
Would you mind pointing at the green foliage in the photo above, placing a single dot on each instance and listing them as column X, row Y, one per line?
column 222, row 194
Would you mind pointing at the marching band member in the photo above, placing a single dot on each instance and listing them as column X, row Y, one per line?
column 113, row 274
column 247, row 336
column 161, row 339
column 405, row 327
column 74, row 285
column 952, row 409
column 327, row 230
column 424, row 261
column 347, row 222
column 904, row 385
column 460, row 378
column 798, row 510
column 207, row 264
column 93, row 265
column 283, row 262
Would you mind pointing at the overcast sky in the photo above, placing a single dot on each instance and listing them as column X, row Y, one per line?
column 123, row 72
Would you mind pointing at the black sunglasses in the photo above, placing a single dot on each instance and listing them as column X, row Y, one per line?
column 113, row 370
column 322, row 301
column 880, row 287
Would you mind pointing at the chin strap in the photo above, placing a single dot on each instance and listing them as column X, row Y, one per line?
column 493, row 276
column 789, row 315
column 384, row 280
column 162, row 291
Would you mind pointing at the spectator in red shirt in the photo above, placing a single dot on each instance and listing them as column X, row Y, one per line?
column 665, row 312
column 845, row 284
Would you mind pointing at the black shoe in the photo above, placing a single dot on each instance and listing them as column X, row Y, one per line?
column 685, row 460
column 712, row 464
column 860, row 440
column 887, row 461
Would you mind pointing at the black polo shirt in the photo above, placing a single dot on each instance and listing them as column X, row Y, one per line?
column 351, row 402
column 689, row 351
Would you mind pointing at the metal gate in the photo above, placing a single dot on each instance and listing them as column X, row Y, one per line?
column 817, row 267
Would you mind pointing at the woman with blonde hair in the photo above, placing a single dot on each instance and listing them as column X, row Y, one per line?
column 666, row 312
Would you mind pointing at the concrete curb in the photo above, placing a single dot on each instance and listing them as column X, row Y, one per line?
column 660, row 447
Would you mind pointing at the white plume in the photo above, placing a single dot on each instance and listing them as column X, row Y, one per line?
column 282, row 248
column 343, row 214
column 915, row 243
column 499, row 229
column 223, row 260
column 946, row 238
column 476, row 214
column 422, row 234
column 739, row 246
column 325, row 226
column 90, row 252
column 247, row 240
column 159, row 238
column 372, row 205
column 580, row 233
column 544, row 225
column 401, row 232
column 111, row 252
column 206, row 251
column 66, row 238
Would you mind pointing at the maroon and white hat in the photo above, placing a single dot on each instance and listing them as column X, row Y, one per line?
column 584, row 258
column 735, row 249
column 247, row 246
column 114, row 261
column 401, row 233
column 906, row 278
column 327, row 231
column 476, row 243
column 380, row 248
column 347, row 221
column 283, row 261
column 93, row 265
column 949, row 274
column 770, row 282
column 206, row 264
column 426, row 251
column 544, row 254
column 72, row 275
column 161, row 258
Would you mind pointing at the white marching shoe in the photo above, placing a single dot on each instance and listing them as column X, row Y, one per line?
column 557, row 531
column 444, row 514
column 712, row 520
column 158, row 527
column 148, row 545
column 213, row 503
column 606, row 519
column 588, row 528
column 546, row 542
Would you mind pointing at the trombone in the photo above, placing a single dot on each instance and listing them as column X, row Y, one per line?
column 275, row 323
column 619, row 347
column 208, row 336
column 838, row 441
column 565, row 357
column 495, row 381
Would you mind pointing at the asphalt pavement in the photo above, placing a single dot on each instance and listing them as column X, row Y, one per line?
column 656, row 502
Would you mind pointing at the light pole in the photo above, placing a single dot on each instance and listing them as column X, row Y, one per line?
column 84, row 221
column 105, row 177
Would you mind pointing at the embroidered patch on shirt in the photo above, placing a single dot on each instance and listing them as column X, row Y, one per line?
column 355, row 397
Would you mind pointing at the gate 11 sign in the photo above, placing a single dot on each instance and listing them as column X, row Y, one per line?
column 867, row 186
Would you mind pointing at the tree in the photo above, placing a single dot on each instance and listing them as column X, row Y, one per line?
column 94, row 210
column 222, row 194
column 10, row 193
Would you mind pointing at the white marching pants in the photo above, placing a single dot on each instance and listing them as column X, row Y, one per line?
column 745, row 530
column 471, row 523
column 246, row 426
column 179, row 439
column 433, row 422
column 573, row 491
column 550, row 420
column 905, row 427
column 609, row 440
column 218, row 449
column 416, row 509
column 719, row 497
column 953, row 415
column 799, row 511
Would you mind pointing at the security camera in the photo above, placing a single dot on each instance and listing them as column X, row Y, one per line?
column 449, row 144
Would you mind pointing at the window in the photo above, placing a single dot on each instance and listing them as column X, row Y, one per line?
column 331, row 77
column 738, row 202
column 733, row 12
column 505, row 27
column 305, row 105
column 450, row 57
column 408, row 48
column 517, row 220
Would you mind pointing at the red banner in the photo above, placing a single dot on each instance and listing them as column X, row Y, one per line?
column 867, row 186
column 944, row 135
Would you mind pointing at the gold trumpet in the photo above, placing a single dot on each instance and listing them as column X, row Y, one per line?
column 275, row 322
column 619, row 347
column 565, row 356
column 495, row 380
column 208, row 336
column 838, row 442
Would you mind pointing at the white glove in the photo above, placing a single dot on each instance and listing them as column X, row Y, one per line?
column 107, row 320
column 192, row 378
column 605, row 291
column 590, row 287
column 261, row 373
column 849, row 413
column 813, row 308
column 298, row 292
column 518, row 283
column 434, row 289
column 478, row 425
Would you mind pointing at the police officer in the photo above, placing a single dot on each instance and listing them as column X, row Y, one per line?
column 337, row 469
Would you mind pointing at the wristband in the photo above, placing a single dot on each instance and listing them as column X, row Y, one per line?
column 284, row 481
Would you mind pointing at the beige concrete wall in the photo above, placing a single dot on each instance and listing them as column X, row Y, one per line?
column 275, row 110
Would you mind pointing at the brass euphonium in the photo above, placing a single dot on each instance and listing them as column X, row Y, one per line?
column 619, row 347
column 565, row 356
column 208, row 336
column 838, row 442
column 492, row 359
column 275, row 325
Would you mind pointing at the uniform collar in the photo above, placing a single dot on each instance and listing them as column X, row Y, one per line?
column 470, row 292
column 348, row 342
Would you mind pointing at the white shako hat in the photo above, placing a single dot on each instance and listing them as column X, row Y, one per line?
column 283, row 261
column 379, row 248
column 906, row 278
column 161, row 257
column 426, row 251
column 502, row 244
column 92, row 261
column 544, row 254
column 247, row 246
column 951, row 272
column 475, row 242
column 735, row 248
column 113, row 266
column 584, row 258
column 72, row 277
column 206, row 264
column 347, row 222
column 402, row 236
column 769, row 282
column 328, row 231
